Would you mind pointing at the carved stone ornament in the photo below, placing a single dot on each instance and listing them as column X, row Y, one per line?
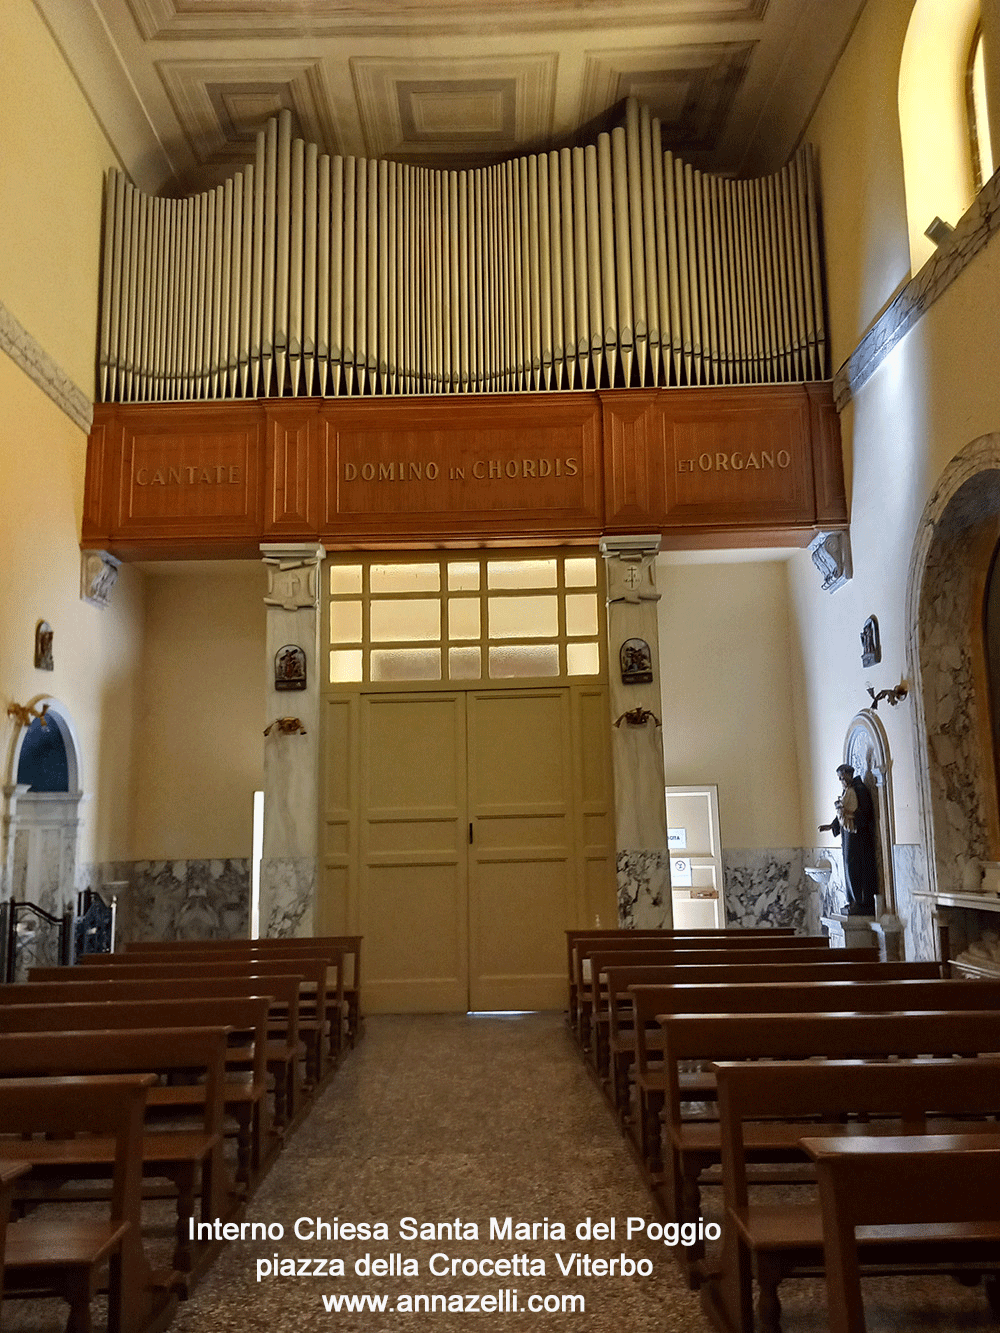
column 831, row 553
column 630, row 564
column 98, row 576
column 292, row 583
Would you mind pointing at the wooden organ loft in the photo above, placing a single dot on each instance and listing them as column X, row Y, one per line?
column 587, row 341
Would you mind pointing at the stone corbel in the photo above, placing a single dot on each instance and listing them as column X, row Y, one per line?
column 292, row 575
column 98, row 576
column 831, row 554
column 629, row 562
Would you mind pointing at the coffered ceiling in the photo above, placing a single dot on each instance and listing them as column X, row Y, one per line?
column 181, row 86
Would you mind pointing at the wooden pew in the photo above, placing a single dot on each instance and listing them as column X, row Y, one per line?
column 191, row 1159
column 663, row 935
column 10, row 1174
column 619, row 1002
column 632, row 941
column 591, row 994
column 284, row 1050
column 349, row 945
column 243, row 1096
column 332, row 1006
column 66, row 1257
column 780, row 1240
column 940, row 1178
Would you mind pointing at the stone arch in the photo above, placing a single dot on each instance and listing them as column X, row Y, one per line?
column 40, row 828
column 955, row 539
column 866, row 749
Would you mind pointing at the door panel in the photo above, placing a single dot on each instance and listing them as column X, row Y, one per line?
column 414, row 865
column 522, row 874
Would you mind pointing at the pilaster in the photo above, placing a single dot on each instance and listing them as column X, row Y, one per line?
column 643, row 863
column 291, row 745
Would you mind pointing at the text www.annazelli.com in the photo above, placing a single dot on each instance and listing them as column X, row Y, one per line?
column 502, row 1302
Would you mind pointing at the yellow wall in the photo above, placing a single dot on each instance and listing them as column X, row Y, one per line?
column 726, row 681
column 935, row 392
column 96, row 652
column 54, row 156
column 200, row 754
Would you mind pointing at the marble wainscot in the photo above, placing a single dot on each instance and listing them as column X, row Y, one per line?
column 909, row 864
column 764, row 887
column 644, row 890
column 181, row 900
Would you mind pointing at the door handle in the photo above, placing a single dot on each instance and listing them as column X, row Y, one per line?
column 470, row 832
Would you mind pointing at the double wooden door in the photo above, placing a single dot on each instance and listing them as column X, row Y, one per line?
column 484, row 831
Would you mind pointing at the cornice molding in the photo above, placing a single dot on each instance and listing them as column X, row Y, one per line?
column 26, row 352
column 975, row 230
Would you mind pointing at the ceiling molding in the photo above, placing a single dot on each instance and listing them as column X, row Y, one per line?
column 203, row 20
column 398, row 100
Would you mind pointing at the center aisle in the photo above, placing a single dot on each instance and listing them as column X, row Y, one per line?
column 437, row 1118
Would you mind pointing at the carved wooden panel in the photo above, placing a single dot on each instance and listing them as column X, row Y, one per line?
column 292, row 468
column 464, row 468
column 700, row 466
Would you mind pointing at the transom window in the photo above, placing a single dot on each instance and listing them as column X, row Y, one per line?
column 464, row 619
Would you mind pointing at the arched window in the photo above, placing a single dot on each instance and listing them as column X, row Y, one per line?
column 938, row 169
column 980, row 145
column 42, row 764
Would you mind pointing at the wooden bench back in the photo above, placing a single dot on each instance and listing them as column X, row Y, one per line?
column 797, row 1090
column 600, row 960
column 800, row 997
column 239, row 1014
column 348, row 945
column 123, row 1051
column 843, row 1036
column 941, row 1179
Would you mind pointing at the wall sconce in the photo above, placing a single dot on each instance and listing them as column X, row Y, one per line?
column 892, row 696
column 637, row 717
column 287, row 726
column 25, row 715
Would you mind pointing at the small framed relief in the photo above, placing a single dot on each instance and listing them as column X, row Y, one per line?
column 290, row 668
column 871, row 643
column 43, row 646
column 636, row 662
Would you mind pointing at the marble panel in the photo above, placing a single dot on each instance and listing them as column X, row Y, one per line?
column 765, row 887
column 909, row 864
column 287, row 896
column 644, row 890
column 182, row 900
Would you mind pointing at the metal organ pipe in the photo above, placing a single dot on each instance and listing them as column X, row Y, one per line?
column 612, row 265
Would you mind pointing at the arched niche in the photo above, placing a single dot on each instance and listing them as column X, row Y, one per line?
column 949, row 566
column 40, row 827
column 866, row 749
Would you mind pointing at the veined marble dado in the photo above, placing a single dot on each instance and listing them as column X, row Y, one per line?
column 765, row 887
column 910, row 869
column 287, row 895
column 644, row 890
column 181, row 900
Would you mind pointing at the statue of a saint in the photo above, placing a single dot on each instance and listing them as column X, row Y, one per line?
column 854, row 824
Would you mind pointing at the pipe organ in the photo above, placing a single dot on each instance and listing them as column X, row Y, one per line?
column 611, row 266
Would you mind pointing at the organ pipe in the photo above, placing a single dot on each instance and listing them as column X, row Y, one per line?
column 616, row 265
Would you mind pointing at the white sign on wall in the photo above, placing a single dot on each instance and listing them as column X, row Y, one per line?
column 677, row 839
column 680, row 872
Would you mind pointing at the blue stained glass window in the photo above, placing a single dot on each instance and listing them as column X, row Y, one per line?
column 43, row 765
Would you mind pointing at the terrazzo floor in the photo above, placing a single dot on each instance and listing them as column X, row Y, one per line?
column 443, row 1117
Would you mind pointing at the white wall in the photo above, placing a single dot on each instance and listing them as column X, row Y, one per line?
column 726, row 680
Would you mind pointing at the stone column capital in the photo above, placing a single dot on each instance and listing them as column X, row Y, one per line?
column 631, row 545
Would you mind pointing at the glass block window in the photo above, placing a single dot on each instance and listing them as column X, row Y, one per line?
column 473, row 619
